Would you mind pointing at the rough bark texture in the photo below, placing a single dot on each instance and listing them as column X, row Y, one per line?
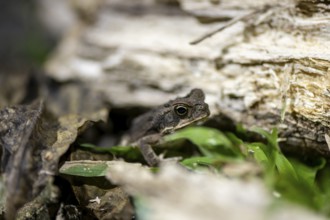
column 268, row 66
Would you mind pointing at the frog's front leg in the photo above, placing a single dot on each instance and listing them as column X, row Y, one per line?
column 145, row 144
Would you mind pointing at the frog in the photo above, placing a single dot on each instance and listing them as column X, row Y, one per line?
column 148, row 129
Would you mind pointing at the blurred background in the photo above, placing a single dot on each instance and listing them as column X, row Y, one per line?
column 29, row 31
column 26, row 38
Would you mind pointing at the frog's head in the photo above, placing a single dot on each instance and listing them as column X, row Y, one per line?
column 184, row 111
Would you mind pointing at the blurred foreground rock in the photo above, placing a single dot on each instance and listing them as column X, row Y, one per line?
column 177, row 194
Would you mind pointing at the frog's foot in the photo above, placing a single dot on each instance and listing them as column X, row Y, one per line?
column 149, row 155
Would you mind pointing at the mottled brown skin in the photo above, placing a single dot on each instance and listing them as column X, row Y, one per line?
column 148, row 128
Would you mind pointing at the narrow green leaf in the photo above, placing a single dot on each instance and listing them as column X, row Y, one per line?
column 128, row 152
column 271, row 137
column 85, row 168
column 256, row 150
column 193, row 162
column 284, row 167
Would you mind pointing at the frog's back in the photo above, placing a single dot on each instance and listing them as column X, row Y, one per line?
column 143, row 126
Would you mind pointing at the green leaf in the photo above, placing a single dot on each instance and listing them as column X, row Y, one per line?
column 85, row 168
column 324, row 185
column 128, row 152
column 284, row 167
column 211, row 142
column 237, row 143
column 270, row 137
column 258, row 152
column 194, row 162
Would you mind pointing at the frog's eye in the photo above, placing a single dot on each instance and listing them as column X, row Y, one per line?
column 181, row 110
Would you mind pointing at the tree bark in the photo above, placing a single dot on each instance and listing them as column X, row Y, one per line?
column 260, row 63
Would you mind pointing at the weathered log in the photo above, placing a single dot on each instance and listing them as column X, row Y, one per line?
column 261, row 64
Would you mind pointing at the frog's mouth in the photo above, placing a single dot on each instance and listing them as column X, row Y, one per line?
column 199, row 121
column 185, row 124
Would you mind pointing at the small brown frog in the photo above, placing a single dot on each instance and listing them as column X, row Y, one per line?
column 148, row 128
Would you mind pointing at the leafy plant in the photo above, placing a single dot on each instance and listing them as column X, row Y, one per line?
column 289, row 178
